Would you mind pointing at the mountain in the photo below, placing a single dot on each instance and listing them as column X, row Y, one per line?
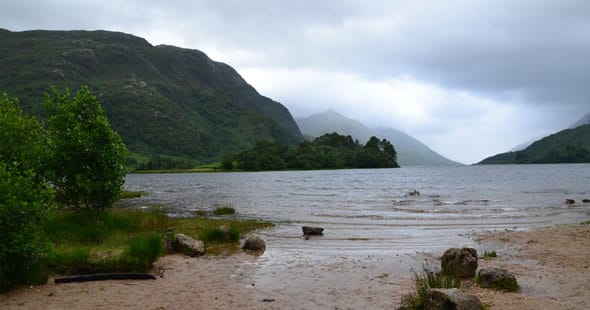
column 409, row 150
column 566, row 146
column 162, row 100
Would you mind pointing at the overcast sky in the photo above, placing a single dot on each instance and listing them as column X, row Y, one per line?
column 468, row 78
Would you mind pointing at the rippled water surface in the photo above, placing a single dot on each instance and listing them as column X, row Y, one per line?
column 371, row 211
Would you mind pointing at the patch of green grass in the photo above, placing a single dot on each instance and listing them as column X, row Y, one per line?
column 489, row 255
column 425, row 280
column 224, row 211
column 130, row 194
column 585, row 223
column 122, row 240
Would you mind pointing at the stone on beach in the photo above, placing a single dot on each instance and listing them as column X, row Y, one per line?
column 254, row 243
column 312, row 231
column 189, row 246
column 497, row 278
column 461, row 263
column 450, row 298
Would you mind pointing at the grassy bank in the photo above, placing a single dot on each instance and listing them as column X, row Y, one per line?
column 128, row 240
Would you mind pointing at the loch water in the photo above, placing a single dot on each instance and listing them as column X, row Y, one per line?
column 369, row 211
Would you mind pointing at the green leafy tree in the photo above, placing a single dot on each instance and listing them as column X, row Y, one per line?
column 88, row 159
column 24, row 196
column 23, row 139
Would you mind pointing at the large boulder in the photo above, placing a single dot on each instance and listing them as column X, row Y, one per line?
column 497, row 278
column 312, row 231
column 254, row 243
column 450, row 298
column 189, row 246
column 460, row 263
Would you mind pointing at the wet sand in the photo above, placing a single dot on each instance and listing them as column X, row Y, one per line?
column 551, row 264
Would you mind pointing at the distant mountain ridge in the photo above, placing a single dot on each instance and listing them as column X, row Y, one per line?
column 162, row 100
column 409, row 150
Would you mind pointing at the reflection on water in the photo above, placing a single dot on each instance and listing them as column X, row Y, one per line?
column 368, row 211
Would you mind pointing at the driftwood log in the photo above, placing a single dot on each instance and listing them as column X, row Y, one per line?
column 105, row 276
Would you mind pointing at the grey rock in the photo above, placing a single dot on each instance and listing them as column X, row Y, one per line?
column 189, row 246
column 497, row 278
column 460, row 263
column 312, row 231
column 450, row 298
column 254, row 243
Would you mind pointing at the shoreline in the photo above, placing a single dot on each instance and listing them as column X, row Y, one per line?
column 551, row 265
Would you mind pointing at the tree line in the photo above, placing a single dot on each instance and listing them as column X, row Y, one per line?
column 330, row 151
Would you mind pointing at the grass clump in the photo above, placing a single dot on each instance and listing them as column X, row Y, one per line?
column 489, row 255
column 146, row 249
column 425, row 280
column 224, row 211
column 220, row 234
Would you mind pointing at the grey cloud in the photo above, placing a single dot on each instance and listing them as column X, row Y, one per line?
column 528, row 56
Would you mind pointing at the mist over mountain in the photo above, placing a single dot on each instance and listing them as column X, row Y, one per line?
column 162, row 100
column 585, row 120
column 409, row 150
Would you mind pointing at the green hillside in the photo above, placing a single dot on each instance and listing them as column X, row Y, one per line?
column 566, row 146
column 162, row 100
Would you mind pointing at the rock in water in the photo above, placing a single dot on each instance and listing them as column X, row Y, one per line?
column 312, row 231
column 570, row 201
column 189, row 246
column 450, row 298
column 461, row 263
column 586, row 200
column 497, row 278
column 254, row 243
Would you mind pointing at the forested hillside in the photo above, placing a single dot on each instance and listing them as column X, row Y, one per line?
column 162, row 100
column 566, row 146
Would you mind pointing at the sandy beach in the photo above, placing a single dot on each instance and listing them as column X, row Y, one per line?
column 551, row 265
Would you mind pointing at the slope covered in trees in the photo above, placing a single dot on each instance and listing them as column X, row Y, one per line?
column 162, row 100
column 566, row 146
